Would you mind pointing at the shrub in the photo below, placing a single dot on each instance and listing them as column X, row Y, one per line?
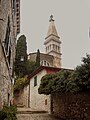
column 8, row 113
column 74, row 81
column 20, row 83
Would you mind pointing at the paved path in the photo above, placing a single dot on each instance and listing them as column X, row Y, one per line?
column 35, row 116
column 31, row 114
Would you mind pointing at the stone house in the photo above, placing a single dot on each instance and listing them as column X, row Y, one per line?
column 9, row 29
column 29, row 96
column 37, row 101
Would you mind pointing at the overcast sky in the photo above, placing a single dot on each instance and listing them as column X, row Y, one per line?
column 72, row 20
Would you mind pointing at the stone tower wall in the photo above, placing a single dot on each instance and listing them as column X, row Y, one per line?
column 7, row 15
column 52, row 43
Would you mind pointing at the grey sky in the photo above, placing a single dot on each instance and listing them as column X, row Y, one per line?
column 72, row 20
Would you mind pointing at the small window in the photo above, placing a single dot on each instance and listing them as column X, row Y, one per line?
column 0, row 1
column 50, row 47
column 45, row 101
column 35, row 81
column 13, row 4
column 44, row 63
column 46, row 49
column 17, row 5
column 8, row 97
column 47, row 64
column 41, row 63
column 58, row 49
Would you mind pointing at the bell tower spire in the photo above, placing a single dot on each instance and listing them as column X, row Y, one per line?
column 52, row 43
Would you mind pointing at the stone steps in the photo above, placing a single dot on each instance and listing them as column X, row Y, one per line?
column 36, row 116
column 30, row 112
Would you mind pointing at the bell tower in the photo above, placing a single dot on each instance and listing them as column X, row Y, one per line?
column 52, row 43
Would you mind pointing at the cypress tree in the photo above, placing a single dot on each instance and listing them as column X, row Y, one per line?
column 21, row 56
column 38, row 59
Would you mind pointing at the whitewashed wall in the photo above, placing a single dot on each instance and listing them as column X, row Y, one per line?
column 37, row 101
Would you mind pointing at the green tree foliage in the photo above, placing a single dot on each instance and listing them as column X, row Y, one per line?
column 23, row 66
column 45, row 86
column 83, row 74
column 72, row 85
column 67, row 80
column 54, row 82
column 31, row 66
column 62, row 80
column 8, row 113
column 21, row 56
column 38, row 59
column 20, row 83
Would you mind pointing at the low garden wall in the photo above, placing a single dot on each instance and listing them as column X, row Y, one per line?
column 71, row 106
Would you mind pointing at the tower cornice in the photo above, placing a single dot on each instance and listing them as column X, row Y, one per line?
column 52, row 35
column 47, row 41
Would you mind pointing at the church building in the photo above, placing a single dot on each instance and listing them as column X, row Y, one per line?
column 52, row 55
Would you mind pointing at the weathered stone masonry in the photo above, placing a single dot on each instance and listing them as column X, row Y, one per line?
column 72, row 106
column 8, row 34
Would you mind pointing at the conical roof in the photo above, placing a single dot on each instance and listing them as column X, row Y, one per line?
column 52, row 29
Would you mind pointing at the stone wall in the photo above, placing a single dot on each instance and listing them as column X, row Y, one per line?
column 7, row 20
column 19, row 98
column 5, row 81
column 22, row 97
column 72, row 106
column 43, row 57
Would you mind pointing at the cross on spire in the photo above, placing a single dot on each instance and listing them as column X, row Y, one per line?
column 51, row 18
